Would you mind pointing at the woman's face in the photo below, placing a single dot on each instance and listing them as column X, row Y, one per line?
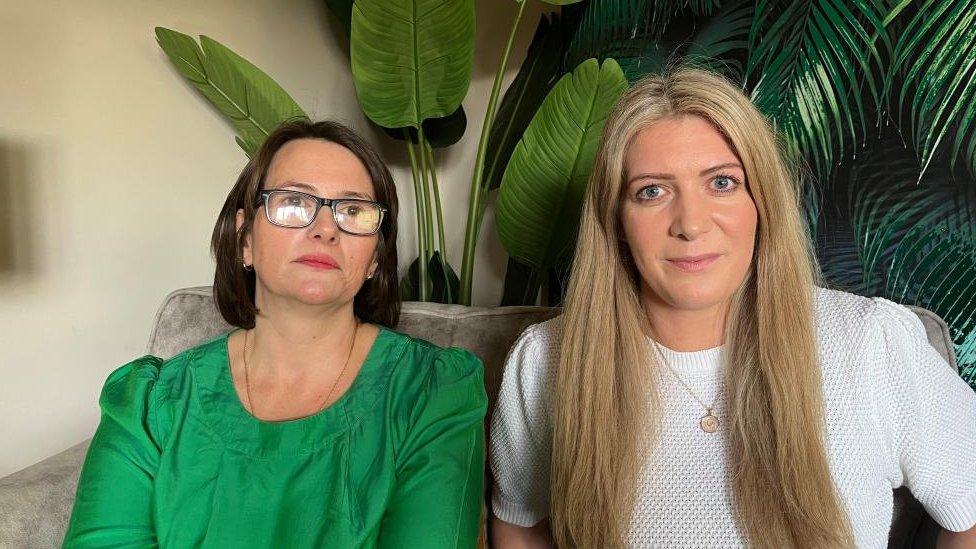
column 687, row 215
column 318, row 264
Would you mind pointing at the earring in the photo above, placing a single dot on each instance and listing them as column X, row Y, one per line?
column 247, row 268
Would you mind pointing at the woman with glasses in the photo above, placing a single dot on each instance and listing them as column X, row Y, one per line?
column 314, row 424
column 701, row 389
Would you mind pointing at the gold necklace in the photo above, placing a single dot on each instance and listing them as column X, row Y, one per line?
column 709, row 422
column 321, row 404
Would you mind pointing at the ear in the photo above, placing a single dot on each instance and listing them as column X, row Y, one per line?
column 246, row 254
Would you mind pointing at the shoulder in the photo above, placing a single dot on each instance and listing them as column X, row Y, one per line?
column 144, row 378
column 421, row 367
column 414, row 356
column 428, row 383
column 836, row 310
column 539, row 343
column 127, row 396
column 131, row 380
column 530, row 368
column 865, row 321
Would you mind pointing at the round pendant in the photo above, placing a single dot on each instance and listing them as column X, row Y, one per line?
column 709, row 423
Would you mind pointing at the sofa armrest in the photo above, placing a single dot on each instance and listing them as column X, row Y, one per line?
column 35, row 503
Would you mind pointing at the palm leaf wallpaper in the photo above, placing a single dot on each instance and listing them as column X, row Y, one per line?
column 878, row 97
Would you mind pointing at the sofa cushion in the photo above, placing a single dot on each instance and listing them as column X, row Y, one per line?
column 35, row 503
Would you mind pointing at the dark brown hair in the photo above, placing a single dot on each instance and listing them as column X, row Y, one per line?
column 378, row 300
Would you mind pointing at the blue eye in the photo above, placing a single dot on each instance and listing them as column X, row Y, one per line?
column 724, row 183
column 649, row 192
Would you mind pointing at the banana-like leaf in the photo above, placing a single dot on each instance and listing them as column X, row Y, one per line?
column 809, row 66
column 935, row 61
column 253, row 102
column 342, row 10
column 538, row 208
column 443, row 281
column 522, row 284
column 411, row 59
column 439, row 132
column 537, row 75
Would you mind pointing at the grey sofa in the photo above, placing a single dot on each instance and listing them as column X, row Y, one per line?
column 35, row 503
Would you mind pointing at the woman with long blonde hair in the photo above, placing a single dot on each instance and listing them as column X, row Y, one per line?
column 700, row 387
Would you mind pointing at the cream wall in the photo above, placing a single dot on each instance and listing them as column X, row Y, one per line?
column 112, row 170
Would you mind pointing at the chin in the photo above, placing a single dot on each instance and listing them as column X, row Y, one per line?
column 694, row 303
column 697, row 296
column 318, row 293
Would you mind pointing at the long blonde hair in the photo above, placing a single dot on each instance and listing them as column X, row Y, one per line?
column 605, row 390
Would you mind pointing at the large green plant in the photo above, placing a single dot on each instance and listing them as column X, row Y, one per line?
column 411, row 62
column 248, row 97
column 542, row 190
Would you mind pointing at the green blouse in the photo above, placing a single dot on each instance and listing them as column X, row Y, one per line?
column 397, row 461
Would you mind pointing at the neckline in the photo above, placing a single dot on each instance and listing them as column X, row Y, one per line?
column 705, row 362
column 363, row 378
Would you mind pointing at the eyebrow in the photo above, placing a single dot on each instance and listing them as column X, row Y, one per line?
column 669, row 176
column 312, row 190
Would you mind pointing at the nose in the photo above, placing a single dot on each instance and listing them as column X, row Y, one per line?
column 324, row 226
column 692, row 217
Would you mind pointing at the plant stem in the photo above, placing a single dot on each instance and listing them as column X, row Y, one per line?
column 422, row 285
column 428, row 215
column 438, row 209
column 449, row 297
column 476, row 200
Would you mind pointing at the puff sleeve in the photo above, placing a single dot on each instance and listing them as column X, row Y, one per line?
column 113, row 504
column 440, row 465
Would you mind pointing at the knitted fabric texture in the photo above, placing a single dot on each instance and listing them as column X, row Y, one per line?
column 895, row 413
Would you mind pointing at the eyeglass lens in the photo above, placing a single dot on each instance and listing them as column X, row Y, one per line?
column 296, row 210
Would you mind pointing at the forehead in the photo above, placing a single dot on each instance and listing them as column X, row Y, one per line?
column 331, row 169
column 677, row 144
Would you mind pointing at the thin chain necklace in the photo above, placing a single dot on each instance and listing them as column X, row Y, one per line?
column 709, row 422
column 321, row 404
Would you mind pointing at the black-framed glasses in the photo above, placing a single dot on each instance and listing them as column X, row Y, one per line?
column 296, row 210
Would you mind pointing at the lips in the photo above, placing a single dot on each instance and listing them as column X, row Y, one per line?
column 318, row 261
column 693, row 263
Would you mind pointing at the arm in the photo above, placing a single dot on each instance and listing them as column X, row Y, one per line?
column 113, row 504
column 520, row 443
column 505, row 535
column 957, row 540
column 930, row 413
column 440, row 470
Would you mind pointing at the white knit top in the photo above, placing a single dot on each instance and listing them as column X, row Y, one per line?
column 896, row 414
